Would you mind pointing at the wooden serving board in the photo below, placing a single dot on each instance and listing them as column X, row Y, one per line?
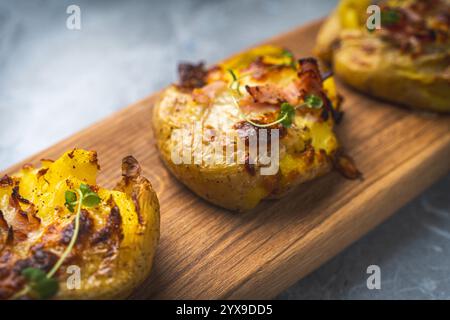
column 207, row 252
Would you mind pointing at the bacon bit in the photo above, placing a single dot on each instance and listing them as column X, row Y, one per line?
column 309, row 82
column 24, row 221
column 208, row 93
column 271, row 94
column 310, row 79
column 345, row 165
column 6, row 181
column 41, row 172
column 248, row 105
column 411, row 31
column 71, row 154
column 15, row 194
column 266, row 94
column 191, row 75
column 259, row 69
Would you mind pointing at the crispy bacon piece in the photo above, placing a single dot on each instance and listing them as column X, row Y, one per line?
column 411, row 30
column 259, row 69
column 310, row 79
column 271, row 94
column 207, row 93
column 266, row 94
column 15, row 194
column 25, row 220
column 309, row 82
column 192, row 75
column 6, row 181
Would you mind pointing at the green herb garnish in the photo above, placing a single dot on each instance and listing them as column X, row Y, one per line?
column 312, row 101
column 285, row 117
column 71, row 200
column 389, row 17
column 42, row 285
column 235, row 84
column 292, row 62
column 287, row 114
column 90, row 198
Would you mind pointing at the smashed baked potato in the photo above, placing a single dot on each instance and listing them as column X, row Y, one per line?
column 57, row 224
column 249, row 95
column 406, row 60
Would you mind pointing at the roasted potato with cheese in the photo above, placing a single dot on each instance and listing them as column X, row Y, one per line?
column 406, row 60
column 204, row 126
column 64, row 237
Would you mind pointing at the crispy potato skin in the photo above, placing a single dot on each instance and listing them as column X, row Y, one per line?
column 117, row 239
column 233, row 185
column 369, row 63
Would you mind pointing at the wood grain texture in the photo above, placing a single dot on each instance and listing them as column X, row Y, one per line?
column 207, row 252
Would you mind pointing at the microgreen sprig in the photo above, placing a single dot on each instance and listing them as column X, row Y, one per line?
column 39, row 284
column 235, row 84
column 287, row 112
column 313, row 102
column 292, row 62
column 389, row 17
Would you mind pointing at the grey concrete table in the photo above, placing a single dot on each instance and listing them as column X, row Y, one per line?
column 55, row 81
